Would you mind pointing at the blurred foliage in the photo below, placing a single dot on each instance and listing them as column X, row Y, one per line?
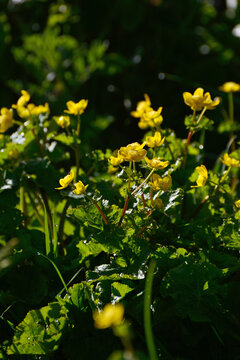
column 113, row 52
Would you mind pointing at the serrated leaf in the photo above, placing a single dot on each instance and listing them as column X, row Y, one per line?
column 186, row 284
column 89, row 249
column 172, row 199
column 204, row 124
column 87, row 215
column 40, row 332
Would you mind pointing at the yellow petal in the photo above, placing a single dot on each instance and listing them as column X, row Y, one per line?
column 198, row 92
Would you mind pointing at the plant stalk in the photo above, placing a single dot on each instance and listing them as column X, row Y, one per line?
column 147, row 311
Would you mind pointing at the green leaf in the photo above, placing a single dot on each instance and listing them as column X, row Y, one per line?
column 40, row 332
column 120, row 290
column 111, row 272
column 66, row 139
column 87, row 215
column 187, row 286
column 78, row 296
column 204, row 124
column 229, row 234
column 171, row 199
column 89, row 249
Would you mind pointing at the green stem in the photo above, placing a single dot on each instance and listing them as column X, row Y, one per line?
column 225, row 175
column 202, row 137
column 134, row 167
column 144, row 181
column 170, row 150
column 129, row 175
column 46, row 204
column 201, row 115
column 76, row 148
column 190, row 133
column 77, row 158
column 38, row 143
column 57, row 270
column 231, row 118
column 230, row 107
column 35, row 210
column 17, row 122
column 193, row 116
column 147, row 311
column 61, row 224
column 78, row 125
column 23, row 206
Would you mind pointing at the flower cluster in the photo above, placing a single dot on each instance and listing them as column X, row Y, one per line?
column 26, row 110
column 66, row 181
column 147, row 116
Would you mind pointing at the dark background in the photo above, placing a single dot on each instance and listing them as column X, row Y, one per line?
column 112, row 52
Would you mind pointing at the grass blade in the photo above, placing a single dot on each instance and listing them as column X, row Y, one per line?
column 47, row 234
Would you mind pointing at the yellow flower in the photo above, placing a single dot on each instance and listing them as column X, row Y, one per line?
column 237, row 204
column 132, row 152
column 115, row 161
column 111, row 315
column 23, row 100
column 63, row 121
column 6, row 119
column 150, row 118
column 157, row 203
column 64, row 182
column 40, row 109
column 142, row 106
column 230, row 86
column 203, row 176
column 22, row 111
column 76, row 108
column 156, row 163
column 80, row 188
column 227, row 160
column 144, row 124
column 13, row 154
column 159, row 183
column 151, row 114
column 156, row 140
column 25, row 110
column 199, row 100
column 112, row 169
